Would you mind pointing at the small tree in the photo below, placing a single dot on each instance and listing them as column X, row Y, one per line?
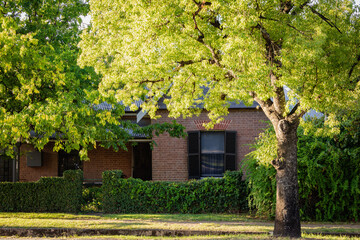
column 42, row 89
column 238, row 50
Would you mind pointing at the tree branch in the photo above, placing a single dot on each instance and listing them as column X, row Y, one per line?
column 187, row 62
column 301, row 7
column 267, row 106
column 354, row 65
column 274, row 51
column 272, row 47
column 294, row 109
column 286, row 6
column 150, row 81
column 279, row 98
column 324, row 18
column 287, row 24
column 301, row 114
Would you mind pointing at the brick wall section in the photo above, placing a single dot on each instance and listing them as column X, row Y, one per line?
column 169, row 158
column 49, row 164
column 102, row 159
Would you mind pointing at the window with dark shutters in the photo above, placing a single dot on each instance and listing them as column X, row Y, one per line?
column 211, row 153
column 230, row 154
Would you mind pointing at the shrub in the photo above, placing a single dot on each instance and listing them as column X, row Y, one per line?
column 92, row 198
column 49, row 194
column 328, row 174
column 131, row 195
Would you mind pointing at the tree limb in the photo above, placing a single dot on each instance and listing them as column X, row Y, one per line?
column 286, row 6
column 150, row 81
column 187, row 62
column 354, row 65
column 301, row 7
column 287, row 24
column 272, row 47
column 267, row 106
column 302, row 113
column 324, row 18
column 293, row 110
column 279, row 98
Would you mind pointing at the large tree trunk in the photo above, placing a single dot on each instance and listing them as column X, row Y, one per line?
column 287, row 218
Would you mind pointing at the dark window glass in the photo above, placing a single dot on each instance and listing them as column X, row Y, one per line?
column 211, row 153
column 69, row 161
column 212, row 165
column 212, row 142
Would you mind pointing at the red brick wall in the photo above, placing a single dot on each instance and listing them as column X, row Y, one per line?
column 169, row 158
column 102, row 159
column 49, row 164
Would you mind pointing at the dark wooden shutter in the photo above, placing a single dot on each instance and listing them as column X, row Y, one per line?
column 230, row 151
column 194, row 154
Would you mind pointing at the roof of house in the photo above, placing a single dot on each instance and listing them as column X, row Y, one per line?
column 162, row 106
column 108, row 106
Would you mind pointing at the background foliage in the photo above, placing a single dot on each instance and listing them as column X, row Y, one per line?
column 91, row 199
column 43, row 92
column 328, row 170
column 49, row 194
column 131, row 195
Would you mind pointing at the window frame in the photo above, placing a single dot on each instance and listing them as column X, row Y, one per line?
column 63, row 166
column 195, row 153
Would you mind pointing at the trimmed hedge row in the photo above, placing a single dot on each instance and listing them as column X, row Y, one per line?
column 49, row 194
column 227, row 194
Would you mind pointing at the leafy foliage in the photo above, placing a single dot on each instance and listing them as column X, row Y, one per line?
column 43, row 92
column 49, row 194
column 91, row 199
column 131, row 195
column 232, row 48
column 328, row 170
column 212, row 52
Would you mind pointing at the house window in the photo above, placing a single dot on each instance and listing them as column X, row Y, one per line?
column 69, row 161
column 211, row 153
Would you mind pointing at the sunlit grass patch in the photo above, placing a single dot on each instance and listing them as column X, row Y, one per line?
column 47, row 215
column 120, row 224
column 186, row 217
column 327, row 237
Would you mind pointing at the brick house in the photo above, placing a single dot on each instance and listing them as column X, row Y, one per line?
column 202, row 154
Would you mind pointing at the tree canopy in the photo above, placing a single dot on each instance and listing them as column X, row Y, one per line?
column 237, row 49
column 212, row 52
column 44, row 94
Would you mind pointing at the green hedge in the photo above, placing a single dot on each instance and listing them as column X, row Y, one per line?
column 328, row 173
column 92, row 199
column 228, row 194
column 49, row 194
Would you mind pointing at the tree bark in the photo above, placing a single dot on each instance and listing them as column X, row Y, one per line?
column 287, row 218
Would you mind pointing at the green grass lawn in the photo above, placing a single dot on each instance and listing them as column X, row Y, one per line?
column 201, row 222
